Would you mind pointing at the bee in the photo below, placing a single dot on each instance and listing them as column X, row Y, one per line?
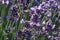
column 17, row 14
column 5, row 2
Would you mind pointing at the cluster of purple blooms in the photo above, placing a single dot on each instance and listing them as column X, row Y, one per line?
column 37, row 13
column 13, row 16
column 25, row 33
column 7, row 2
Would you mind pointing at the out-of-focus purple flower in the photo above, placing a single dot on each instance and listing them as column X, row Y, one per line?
column 16, row 19
column 52, row 3
column 38, row 11
column 7, row 2
column 37, row 2
column 19, row 34
column 31, row 23
column 46, row 34
column 43, row 28
column 54, row 35
column 25, row 33
column 51, row 0
column 28, row 35
column 49, row 27
column 36, row 27
column 45, row 9
column 31, row 13
column 27, row 25
column 11, row 19
column 3, row 2
column 7, row 30
column 35, row 18
column 7, row 17
column 43, row 2
column 7, row 38
column 13, row 14
column 49, row 14
column 49, row 37
column 13, row 10
column 33, row 8
column 58, row 7
column 59, row 13
column 38, row 24
column 39, row 7
column 52, row 10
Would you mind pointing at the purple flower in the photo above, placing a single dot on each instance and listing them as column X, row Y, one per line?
column 58, row 7
column 43, row 28
column 38, row 11
column 7, row 38
column 7, row 2
column 33, row 8
column 7, row 30
column 31, row 13
column 28, row 35
column 39, row 7
column 13, row 14
column 27, row 25
column 51, row 0
column 16, row 19
column 19, row 33
column 37, row 2
column 52, row 10
column 3, row 2
column 36, row 27
column 54, row 34
column 7, row 17
column 13, row 10
column 49, row 37
column 37, row 24
column 35, row 18
column 31, row 23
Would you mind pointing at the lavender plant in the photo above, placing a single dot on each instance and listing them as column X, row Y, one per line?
column 29, row 20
